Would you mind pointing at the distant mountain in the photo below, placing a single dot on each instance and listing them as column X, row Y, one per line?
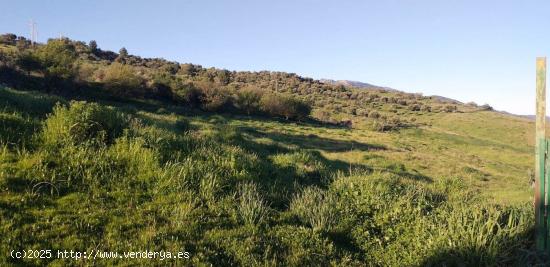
column 357, row 84
column 368, row 86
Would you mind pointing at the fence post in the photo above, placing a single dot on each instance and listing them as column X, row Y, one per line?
column 541, row 198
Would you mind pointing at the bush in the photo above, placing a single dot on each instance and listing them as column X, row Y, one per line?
column 322, row 115
column 486, row 107
column 188, row 94
column 415, row 107
column 122, row 80
column 426, row 108
column 248, row 100
column 450, row 108
column 285, row 106
column 8, row 39
column 212, row 97
column 28, row 61
column 316, row 208
column 83, row 122
column 374, row 115
column 57, row 58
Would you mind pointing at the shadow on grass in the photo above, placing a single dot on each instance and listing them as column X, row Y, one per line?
column 315, row 142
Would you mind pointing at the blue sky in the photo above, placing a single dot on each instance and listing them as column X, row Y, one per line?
column 482, row 51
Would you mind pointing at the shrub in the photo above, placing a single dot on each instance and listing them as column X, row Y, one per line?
column 316, row 208
column 28, row 62
column 486, row 107
column 83, row 122
column 374, row 115
column 322, row 115
column 426, row 108
column 248, row 99
column 8, row 39
column 188, row 94
column 285, row 106
column 415, row 107
column 251, row 208
column 384, row 124
column 122, row 80
column 212, row 97
column 57, row 58
column 450, row 108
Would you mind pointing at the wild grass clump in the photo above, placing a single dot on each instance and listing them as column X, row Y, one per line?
column 83, row 122
column 479, row 234
column 251, row 207
column 16, row 129
column 398, row 223
column 316, row 208
column 304, row 164
column 30, row 103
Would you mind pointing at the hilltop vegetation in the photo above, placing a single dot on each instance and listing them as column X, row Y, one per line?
column 211, row 89
column 120, row 153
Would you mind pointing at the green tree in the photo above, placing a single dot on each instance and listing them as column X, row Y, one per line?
column 122, row 55
column 57, row 58
column 93, row 46
column 8, row 39
column 21, row 43
column 123, row 52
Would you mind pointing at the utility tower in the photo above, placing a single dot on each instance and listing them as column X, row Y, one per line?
column 34, row 32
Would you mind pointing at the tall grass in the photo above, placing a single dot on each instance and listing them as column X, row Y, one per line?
column 316, row 208
column 97, row 175
column 251, row 207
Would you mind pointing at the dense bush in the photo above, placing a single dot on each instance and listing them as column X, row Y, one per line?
column 210, row 89
column 285, row 106
column 122, row 80
column 213, row 97
column 188, row 94
column 83, row 122
column 8, row 39
column 248, row 100
column 57, row 58
column 450, row 108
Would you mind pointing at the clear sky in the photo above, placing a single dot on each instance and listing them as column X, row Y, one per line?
column 482, row 51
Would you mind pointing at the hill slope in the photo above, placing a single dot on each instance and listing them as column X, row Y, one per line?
column 406, row 185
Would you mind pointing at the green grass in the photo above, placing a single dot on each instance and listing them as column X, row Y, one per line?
column 238, row 190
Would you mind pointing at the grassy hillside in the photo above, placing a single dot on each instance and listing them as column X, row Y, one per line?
column 90, row 163
column 239, row 190
column 491, row 152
